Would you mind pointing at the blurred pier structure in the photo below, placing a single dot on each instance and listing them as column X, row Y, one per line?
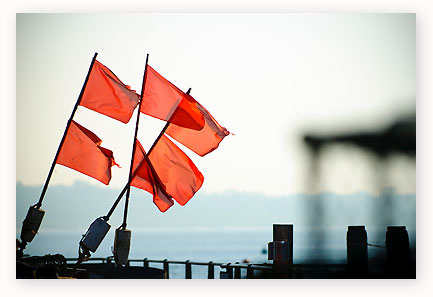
column 381, row 149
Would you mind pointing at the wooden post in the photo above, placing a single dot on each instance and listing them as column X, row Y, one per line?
column 357, row 256
column 237, row 272
column 229, row 271
column 397, row 251
column 250, row 271
column 211, row 270
column 281, row 250
column 167, row 272
column 284, row 233
column 271, row 250
column 145, row 263
column 188, row 270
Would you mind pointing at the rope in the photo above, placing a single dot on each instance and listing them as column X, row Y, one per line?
column 376, row 245
column 367, row 244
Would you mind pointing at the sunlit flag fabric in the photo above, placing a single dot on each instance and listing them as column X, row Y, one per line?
column 201, row 141
column 81, row 151
column 177, row 172
column 106, row 94
column 161, row 98
column 145, row 178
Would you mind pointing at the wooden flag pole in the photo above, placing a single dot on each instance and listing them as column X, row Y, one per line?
column 39, row 204
column 110, row 212
column 128, row 186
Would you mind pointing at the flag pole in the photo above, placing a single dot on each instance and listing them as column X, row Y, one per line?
column 39, row 204
column 128, row 186
column 164, row 129
column 110, row 212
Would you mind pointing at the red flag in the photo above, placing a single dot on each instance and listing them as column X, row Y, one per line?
column 145, row 178
column 202, row 141
column 161, row 98
column 106, row 94
column 81, row 151
column 177, row 172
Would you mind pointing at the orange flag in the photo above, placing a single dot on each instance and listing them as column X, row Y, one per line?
column 106, row 94
column 161, row 99
column 145, row 178
column 81, row 151
column 202, row 141
column 177, row 172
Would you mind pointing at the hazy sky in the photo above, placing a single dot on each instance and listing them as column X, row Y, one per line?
column 267, row 78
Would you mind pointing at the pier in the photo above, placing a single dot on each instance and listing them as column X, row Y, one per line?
column 398, row 262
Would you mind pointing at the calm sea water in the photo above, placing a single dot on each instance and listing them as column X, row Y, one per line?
column 225, row 245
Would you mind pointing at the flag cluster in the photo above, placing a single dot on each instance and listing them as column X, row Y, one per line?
column 166, row 172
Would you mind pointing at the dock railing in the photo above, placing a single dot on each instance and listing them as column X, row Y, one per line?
column 232, row 270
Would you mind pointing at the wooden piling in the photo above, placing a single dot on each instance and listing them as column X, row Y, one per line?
column 281, row 250
column 357, row 255
column 397, row 251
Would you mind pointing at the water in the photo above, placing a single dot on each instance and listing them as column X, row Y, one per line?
column 217, row 245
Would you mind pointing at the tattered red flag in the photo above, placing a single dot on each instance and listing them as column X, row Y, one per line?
column 106, row 94
column 145, row 177
column 201, row 141
column 177, row 172
column 161, row 99
column 81, row 151
column 166, row 173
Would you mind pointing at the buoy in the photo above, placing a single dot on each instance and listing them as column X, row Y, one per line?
column 122, row 242
column 31, row 223
column 95, row 234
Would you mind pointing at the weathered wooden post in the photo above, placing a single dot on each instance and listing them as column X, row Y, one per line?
column 281, row 250
column 188, row 274
column 357, row 256
column 211, row 270
column 229, row 271
column 397, row 251
column 250, row 271
column 237, row 272
column 166, row 269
